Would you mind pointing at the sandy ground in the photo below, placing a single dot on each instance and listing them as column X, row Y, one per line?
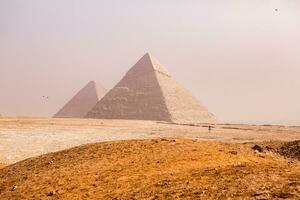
column 21, row 138
column 154, row 169
column 2, row 165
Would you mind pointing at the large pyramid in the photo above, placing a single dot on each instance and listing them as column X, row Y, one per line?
column 148, row 92
column 82, row 102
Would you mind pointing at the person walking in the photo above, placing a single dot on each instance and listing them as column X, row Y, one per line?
column 209, row 128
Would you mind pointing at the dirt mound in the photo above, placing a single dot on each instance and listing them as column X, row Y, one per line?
column 153, row 169
column 287, row 149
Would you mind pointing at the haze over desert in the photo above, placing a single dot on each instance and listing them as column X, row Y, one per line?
column 149, row 99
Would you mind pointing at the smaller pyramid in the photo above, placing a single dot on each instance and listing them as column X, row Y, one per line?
column 82, row 102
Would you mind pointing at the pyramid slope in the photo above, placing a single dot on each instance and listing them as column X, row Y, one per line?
column 82, row 102
column 181, row 104
column 148, row 92
column 136, row 96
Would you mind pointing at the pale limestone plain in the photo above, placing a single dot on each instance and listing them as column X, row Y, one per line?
column 21, row 138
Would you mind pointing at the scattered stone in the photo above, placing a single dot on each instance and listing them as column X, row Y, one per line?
column 238, row 164
column 50, row 162
column 257, row 148
column 14, row 188
column 262, row 156
column 291, row 149
column 261, row 195
column 283, row 195
column 269, row 148
column 155, row 197
column 162, row 183
column 51, row 193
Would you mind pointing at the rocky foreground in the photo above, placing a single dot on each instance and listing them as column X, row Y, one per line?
column 157, row 169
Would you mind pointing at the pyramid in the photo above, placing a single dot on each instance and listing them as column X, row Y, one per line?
column 148, row 92
column 82, row 102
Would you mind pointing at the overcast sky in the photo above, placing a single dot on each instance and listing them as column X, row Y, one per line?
column 239, row 57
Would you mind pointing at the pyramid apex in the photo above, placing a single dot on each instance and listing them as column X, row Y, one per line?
column 154, row 63
column 92, row 82
column 148, row 54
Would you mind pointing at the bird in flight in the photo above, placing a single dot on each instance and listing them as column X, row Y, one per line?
column 45, row 97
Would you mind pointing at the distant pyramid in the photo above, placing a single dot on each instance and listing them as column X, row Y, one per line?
column 148, row 92
column 82, row 102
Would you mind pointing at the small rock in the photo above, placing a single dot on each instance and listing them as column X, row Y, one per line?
column 261, row 195
column 261, row 156
column 269, row 148
column 181, row 194
column 257, row 148
column 50, row 162
column 238, row 164
column 255, row 194
column 14, row 188
column 233, row 152
column 51, row 193
column 155, row 197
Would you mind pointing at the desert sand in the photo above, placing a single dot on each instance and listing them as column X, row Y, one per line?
column 2, row 165
column 154, row 169
column 22, row 138
column 132, row 159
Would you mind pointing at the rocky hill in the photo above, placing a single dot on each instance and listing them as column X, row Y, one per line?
column 154, row 169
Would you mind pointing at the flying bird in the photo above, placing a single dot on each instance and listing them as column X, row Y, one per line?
column 45, row 97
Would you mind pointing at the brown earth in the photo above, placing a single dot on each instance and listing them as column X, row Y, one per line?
column 287, row 149
column 2, row 165
column 154, row 169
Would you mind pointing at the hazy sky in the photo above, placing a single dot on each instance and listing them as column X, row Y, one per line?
column 241, row 58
